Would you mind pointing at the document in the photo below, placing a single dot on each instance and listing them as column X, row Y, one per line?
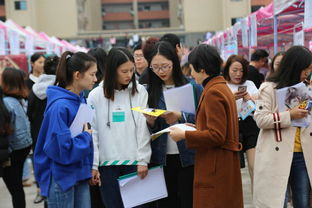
column 167, row 130
column 246, row 109
column 136, row 191
column 296, row 95
column 180, row 99
column 149, row 111
column 84, row 115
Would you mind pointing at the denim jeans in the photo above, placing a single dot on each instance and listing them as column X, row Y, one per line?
column 299, row 183
column 110, row 190
column 77, row 196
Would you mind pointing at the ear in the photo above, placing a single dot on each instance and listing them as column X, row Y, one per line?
column 76, row 75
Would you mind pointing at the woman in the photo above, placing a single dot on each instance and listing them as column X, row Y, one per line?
column 274, row 65
column 15, row 90
column 236, row 73
column 37, row 63
column 121, row 138
column 37, row 101
column 165, row 73
column 217, row 180
column 63, row 163
column 283, row 151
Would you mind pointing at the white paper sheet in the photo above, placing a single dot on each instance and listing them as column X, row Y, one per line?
column 167, row 130
column 180, row 99
column 135, row 191
column 84, row 115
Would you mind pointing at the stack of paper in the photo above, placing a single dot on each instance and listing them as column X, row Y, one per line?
column 84, row 115
column 167, row 130
column 136, row 191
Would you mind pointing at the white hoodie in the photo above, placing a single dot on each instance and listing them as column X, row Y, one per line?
column 125, row 142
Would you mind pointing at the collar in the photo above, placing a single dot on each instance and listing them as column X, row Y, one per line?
column 208, row 79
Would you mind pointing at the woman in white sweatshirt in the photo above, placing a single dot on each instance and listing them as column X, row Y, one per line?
column 120, row 136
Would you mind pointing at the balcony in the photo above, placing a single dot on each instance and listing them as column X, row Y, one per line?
column 117, row 1
column 153, row 15
column 152, row 1
column 2, row 11
column 118, row 16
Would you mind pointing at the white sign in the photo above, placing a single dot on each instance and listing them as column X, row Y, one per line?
column 299, row 38
column 308, row 15
column 244, row 24
column 2, row 42
column 14, row 42
column 253, row 30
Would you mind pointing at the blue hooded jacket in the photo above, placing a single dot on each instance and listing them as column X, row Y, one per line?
column 58, row 155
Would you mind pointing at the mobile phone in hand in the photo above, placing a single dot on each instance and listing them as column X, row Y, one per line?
column 242, row 88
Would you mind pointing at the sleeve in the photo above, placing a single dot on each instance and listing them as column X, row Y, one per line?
column 95, row 135
column 143, row 136
column 264, row 115
column 216, row 127
column 61, row 147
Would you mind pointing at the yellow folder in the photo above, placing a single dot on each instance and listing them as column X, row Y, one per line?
column 149, row 111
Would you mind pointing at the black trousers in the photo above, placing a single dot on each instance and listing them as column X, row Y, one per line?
column 179, row 181
column 96, row 200
column 12, row 177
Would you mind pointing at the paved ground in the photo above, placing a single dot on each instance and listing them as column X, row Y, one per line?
column 5, row 199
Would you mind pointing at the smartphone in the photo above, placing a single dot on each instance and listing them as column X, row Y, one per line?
column 242, row 88
column 309, row 106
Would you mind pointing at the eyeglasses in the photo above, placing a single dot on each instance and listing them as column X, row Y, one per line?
column 163, row 68
column 137, row 56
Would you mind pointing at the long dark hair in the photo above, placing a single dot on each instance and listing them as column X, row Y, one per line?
column 115, row 58
column 5, row 118
column 71, row 62
column 100, row 55
column 155, row 84
column 34, row 58
column 295, row 60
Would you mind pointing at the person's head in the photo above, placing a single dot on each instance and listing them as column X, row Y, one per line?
column 259, row 58
column 37, row 63
column 174, row 40
column 205, row 61
column 76, row 70
column 50, row 65
column 13, row 83
column 236, row 69
column 276, row 61
column 5, row 118
column 100, row 55
column 119, row 72
column 295, row 66
column 164, row 70
column 140, row 61
column 148, row 46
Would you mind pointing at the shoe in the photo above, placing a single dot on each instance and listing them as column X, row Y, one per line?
column 38, row 198
column 27, row 183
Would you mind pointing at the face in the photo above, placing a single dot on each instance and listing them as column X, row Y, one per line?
column 264, row 62
column 124, row 73
column 86, row 80
column 162, row 67
column 305, row 73
column 140, row 61
column 37, row 66
column 236, row 72
column 277, row 62
column 198, row 76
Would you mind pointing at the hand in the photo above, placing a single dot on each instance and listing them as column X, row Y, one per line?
column 150, row 120
column 95, row 180
column 191, row 125
column 86, row 128
column 297, row 113
column 247, row 97
column 238, row 95
column 172, row 117
column 177, row 134
column 142, row 171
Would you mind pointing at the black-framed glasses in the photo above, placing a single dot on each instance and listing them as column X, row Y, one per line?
column 163, row 68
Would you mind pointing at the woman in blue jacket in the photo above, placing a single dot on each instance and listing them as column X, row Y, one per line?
column 62, row 162
column 165, row 73
column 15, row 91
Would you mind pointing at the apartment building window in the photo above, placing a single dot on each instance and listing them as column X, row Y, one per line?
column 236, row 0
column 256, row 8
column 20, row 5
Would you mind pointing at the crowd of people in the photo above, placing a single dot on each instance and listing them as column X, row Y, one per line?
column 201, row 167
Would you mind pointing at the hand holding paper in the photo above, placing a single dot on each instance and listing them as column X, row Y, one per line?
column 185, row 127
column 177, row 134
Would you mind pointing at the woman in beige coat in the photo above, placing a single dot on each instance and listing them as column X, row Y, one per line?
column 283, row 152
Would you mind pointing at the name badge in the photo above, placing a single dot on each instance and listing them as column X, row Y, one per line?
column 119, row 114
